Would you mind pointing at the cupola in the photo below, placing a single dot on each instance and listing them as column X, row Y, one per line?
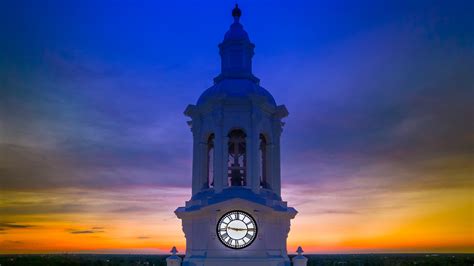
column 236, row 52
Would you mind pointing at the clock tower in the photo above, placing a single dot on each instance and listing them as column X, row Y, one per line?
column 236, row 216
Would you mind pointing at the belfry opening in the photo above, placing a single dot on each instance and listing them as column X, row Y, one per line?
column 237, row 160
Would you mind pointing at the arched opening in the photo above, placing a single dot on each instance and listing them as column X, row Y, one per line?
column 263, row 161
column 210, row 161
column 237, row 159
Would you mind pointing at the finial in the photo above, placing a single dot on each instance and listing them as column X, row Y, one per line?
column 174, row 251
column 236, row 13
column 299, row 251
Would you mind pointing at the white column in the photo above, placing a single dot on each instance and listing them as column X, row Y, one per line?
column 225, row 158
column 270, row 164
column 254, row 165
column 276, row 171
column 253, row 149
column 196, row 180
column 204, row 163
column 218, row 163
column 276, row 167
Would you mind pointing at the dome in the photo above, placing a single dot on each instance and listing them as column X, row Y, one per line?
column 237, row 89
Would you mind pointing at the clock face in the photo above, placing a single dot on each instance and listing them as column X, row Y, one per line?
column 236, row 229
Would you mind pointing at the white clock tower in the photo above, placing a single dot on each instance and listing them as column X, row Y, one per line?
column 236, row 215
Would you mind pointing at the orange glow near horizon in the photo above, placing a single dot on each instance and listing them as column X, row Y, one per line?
column 113, row 225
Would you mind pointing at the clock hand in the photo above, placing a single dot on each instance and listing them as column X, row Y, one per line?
column 236, row 229
column 241, row 229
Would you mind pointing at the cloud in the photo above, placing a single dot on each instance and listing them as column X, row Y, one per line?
column 388, row 106
column 84, row 232
column 331, row 212
column 106, row 203
column 6, row 226
column 90, row 140
column 93, row 230
column 13, row 242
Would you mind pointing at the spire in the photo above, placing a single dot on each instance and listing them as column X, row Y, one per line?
column 236, row 52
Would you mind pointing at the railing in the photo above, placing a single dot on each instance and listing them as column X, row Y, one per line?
column 175, row 260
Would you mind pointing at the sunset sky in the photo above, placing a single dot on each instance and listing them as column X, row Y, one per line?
column 377, row 152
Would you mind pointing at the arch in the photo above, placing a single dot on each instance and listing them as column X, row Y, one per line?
column 205, row 137
column 237, row 158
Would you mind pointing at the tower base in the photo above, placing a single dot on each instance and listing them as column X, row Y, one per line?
column 280, row 261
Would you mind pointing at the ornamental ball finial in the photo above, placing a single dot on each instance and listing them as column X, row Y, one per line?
column 236, row 12
column 299, row 250
column 174, row 251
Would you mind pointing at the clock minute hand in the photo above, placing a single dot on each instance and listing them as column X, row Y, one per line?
column 236, row 229
column 241, row 229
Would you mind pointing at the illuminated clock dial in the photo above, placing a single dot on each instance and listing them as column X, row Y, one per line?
column 236, row 229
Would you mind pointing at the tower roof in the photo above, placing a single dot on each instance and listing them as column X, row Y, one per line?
column 236, row 31
column 235, row 89
column 236, row 79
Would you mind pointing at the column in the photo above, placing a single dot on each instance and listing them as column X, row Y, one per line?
column 195, row 179
column 254, row 165
column 275, row 154
column 203, row 164
column 269, row 163
column 276, row 167
column 225, row 158
column 218, row 162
